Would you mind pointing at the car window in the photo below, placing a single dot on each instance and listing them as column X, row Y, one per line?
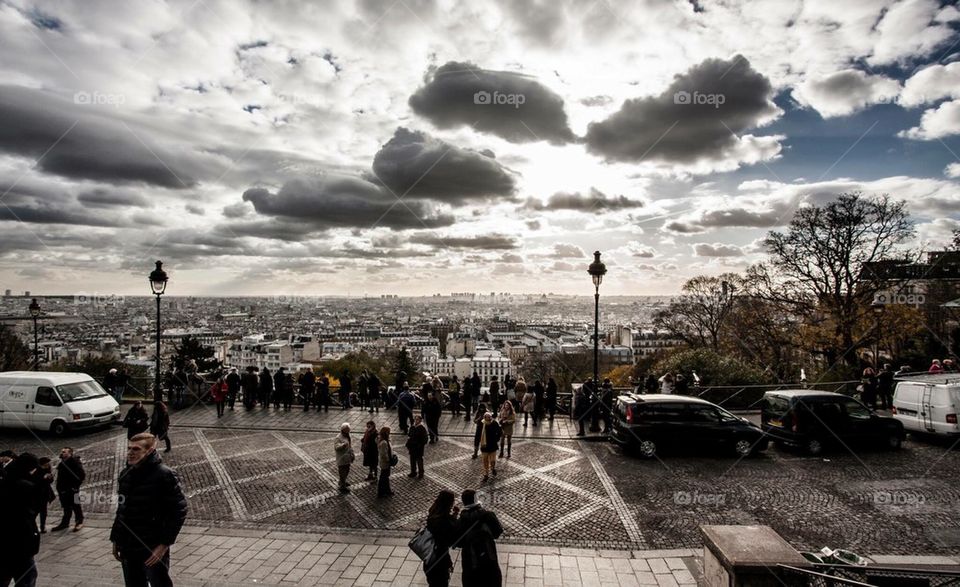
column 72, row 392
column 776, row 405
column 46, row 396
column 703, row 414
column 726, row 416
column 855, row 409
column 665, row 412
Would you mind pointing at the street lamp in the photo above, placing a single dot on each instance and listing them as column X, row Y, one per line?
column 597, row 270
column 158, row 284
column 35, row 314
column 877, row 308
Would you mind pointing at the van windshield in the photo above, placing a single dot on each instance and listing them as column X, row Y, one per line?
column 72, row 392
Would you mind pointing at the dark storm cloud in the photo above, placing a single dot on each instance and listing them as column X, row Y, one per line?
column 238, row 210
column 110, row 198
column 686, row 123
column 540, row 21
column 683, row 227
column 416, row 165
column 595, row 200
column 487, row 242
column 268, row 228
column 716, row 250
column 463, row 94
column 339, row 201
column 43, row 213
column 79, row 140
column 742, row 217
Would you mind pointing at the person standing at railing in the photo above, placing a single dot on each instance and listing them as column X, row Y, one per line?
column 666, row 384
column 885, row 386
column 323, row 393
column 249, row 383
column 110, row 383
column 233, row 387
column 266, row 387
column 681, row 386
column 551, row 398
column 278, row 383
column 218, row 392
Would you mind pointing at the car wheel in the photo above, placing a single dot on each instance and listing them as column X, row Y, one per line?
column 647, row 448
column 743, row 447
column 894, row 442
column 58, row 428
column 814, row 446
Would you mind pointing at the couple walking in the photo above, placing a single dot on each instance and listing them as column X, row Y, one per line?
column 474, row 530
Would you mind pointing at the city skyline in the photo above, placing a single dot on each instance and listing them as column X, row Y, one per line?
column 425, row 147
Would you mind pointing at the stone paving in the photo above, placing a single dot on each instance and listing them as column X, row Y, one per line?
column 216, row 557
column 269, row 470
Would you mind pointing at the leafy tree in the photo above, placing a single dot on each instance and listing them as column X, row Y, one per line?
column 818, row 265
column 406, row 361
column 355, row 362
column 14, row 354
column 98, row 367
column 190, row 348
column 712, row 367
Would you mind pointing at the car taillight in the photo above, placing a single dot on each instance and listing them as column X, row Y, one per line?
column 629, row 415
column 951, row 418
column 793, row 421
column 893, row 410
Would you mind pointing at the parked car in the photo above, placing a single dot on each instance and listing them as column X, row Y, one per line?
column 650, row 423
column 928, row 405
column 817, row 420
column 58, row 402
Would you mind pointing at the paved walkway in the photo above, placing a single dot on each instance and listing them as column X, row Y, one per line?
column 218, row 557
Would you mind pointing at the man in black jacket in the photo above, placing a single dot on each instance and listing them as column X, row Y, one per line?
column 487, row 438
column 307, row 384
column 479, row 529
column 70, row 476
column 19, row 539
column 150, row 512
column 233, row 387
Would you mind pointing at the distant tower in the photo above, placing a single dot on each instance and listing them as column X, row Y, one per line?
column 6, row 293
column 26, row 294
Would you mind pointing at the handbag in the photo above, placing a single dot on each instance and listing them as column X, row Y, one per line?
column 394, row 459
column 423, row 544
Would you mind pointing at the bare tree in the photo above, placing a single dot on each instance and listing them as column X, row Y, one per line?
column 819, row 262
column 697, row 317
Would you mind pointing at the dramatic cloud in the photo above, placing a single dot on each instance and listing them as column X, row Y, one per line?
column 698, row 119
column 80, row 140
column 567, row 251
column 110, row 198
column 414, row 165
column 594, row 201
column 952, row 170
column 931, row 84
column 845, row 92
column 936, row 123
column 510, row 105
column 716, row 250
column 338, row 201
column 683, row 227
column 489, row 242
column 911, row 28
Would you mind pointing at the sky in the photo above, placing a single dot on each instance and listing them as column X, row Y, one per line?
column 415, row 147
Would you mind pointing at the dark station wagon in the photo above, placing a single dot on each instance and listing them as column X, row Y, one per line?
column 817, row 420
column 651, row 423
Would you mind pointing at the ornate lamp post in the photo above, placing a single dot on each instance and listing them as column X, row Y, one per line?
column 597, row 270
column 158, row 284
column 35, row 314
column 877, row 308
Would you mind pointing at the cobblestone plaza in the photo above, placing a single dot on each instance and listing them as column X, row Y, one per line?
column 270, row 470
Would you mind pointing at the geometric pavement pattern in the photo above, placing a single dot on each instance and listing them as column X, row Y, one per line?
column 273, row 470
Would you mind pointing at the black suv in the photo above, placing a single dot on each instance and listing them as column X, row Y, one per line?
column 651, row 422
column 815, row 420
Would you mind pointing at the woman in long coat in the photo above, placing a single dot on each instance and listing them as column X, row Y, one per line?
column 368, row 446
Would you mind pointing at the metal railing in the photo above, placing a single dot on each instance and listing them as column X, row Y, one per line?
column 870, row 576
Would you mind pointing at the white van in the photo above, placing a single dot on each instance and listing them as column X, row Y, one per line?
column 58, row 402
column 928, row 404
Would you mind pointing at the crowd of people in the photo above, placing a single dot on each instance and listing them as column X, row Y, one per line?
column 151, row 509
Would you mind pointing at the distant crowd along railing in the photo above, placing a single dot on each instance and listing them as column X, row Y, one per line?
column 731, row 397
